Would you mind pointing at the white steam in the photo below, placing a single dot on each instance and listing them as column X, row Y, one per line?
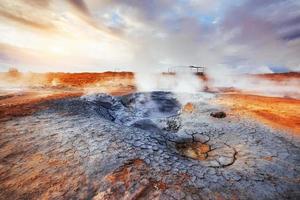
column 183, row 82
column 253, row 84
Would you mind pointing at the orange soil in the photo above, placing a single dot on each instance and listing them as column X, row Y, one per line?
column 279, row 76
column 70, row 80
column 86, row 79
column 124, row 173
column 27, row 185
column 188, row 108
column 281, row 113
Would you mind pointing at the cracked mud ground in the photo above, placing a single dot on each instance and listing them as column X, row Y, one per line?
column 143, row 146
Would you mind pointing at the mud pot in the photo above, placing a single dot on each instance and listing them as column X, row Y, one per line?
column 144, row 146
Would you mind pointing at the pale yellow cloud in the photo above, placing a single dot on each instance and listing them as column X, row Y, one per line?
column 57, row 35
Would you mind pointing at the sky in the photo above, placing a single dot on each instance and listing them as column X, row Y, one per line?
column 248, row 36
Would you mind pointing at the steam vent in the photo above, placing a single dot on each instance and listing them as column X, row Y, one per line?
column 144, row 146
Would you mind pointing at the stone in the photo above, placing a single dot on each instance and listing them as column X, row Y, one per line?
column 225, row 160
column 200, row 138
column 219, row 114
column 182, row 137
column 213, row 163
column 173, row 124
column 155, row 148
column 144, row 181
column 138, row 143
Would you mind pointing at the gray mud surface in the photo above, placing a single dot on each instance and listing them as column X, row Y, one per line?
column 138, row 147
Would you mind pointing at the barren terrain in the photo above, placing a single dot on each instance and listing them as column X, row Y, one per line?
column 97, row 138
column 282, row 113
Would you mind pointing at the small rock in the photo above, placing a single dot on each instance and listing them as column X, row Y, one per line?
column 144, row 181
column 220, row 114
column 166, row 156
column 173, row 124
column 225, row 160
column 201, row 138
column 214, row 163
column 184, row 138
column 155, row 148
column 193, row 179
column 137, row 143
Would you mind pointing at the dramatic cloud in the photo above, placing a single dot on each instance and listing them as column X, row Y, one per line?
column 93, row 35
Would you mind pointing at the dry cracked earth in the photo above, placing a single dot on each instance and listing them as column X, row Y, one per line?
column 144, row 146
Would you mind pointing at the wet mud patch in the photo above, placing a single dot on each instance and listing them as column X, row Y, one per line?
column 150, row 105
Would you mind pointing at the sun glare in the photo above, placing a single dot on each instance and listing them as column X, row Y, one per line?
column 58, row 50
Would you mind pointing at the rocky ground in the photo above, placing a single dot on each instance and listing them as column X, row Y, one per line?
column 144, row 146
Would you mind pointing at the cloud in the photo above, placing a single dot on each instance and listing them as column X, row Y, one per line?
column 39, row 3
column 20, row 13
column 242, row 35
column 80, row 5
column 24, row 21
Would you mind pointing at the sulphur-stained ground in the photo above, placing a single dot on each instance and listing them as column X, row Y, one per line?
column 278, row 112
column 144, row 146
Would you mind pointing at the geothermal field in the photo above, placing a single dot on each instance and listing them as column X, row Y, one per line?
column 120, row 135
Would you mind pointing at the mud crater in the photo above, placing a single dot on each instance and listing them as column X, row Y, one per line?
column 194, row 150
column 161, row 114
